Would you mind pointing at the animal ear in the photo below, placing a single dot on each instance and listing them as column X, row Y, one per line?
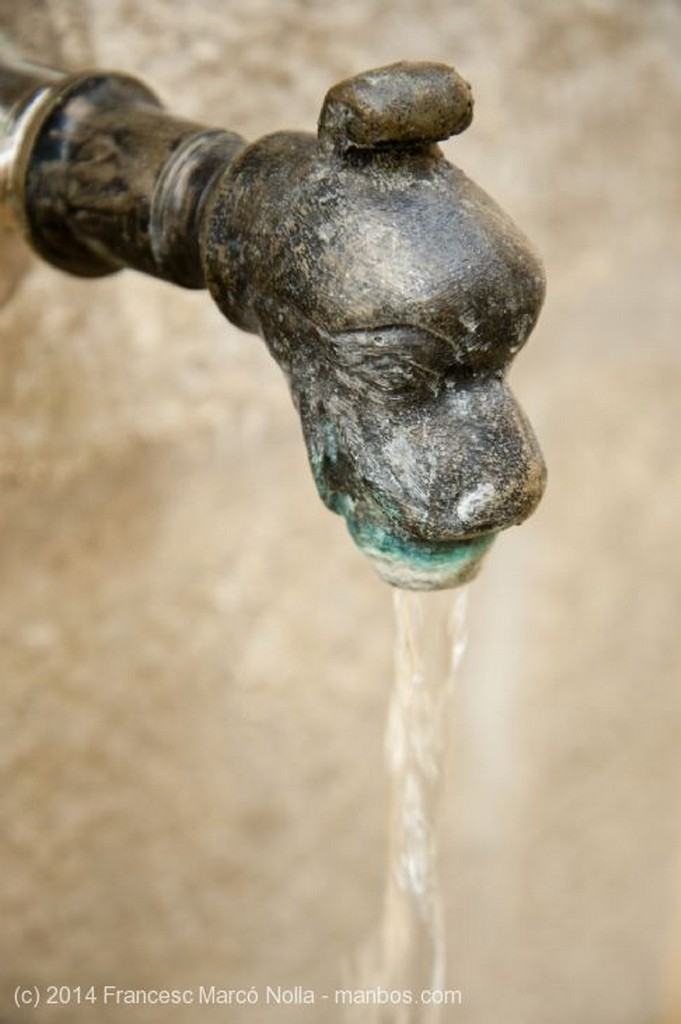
column 403, row 105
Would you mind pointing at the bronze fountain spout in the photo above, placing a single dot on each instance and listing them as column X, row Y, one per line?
column 392, row 291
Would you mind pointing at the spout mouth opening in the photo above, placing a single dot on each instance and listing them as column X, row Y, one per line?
column 417, row 565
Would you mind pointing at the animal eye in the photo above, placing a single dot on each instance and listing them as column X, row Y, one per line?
column 399, row 375
column 396, row 361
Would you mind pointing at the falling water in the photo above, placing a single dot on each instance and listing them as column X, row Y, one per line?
column 408, row 952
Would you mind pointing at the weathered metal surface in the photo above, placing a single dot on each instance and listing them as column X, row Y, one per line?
column 97, row 182
column 392, row 291
column 21, row 91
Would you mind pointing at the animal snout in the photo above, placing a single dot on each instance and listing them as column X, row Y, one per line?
column 476, row 507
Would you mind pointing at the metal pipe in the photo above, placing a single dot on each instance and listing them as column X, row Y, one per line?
column 102, row 177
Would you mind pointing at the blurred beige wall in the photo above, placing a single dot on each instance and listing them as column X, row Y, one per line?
column 195, row 660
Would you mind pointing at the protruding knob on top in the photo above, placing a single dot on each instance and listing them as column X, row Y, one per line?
column 401, row 105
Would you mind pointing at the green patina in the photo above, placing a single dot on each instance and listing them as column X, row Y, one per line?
column 376, row 540
column 340, row 502
column 418, row 554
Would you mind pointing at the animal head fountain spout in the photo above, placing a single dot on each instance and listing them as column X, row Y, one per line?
column 392, row 291
column 394, row 294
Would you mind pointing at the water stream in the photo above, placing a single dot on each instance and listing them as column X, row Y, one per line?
column 407, row 955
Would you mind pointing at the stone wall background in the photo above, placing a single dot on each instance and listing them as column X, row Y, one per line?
column 195, row 660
